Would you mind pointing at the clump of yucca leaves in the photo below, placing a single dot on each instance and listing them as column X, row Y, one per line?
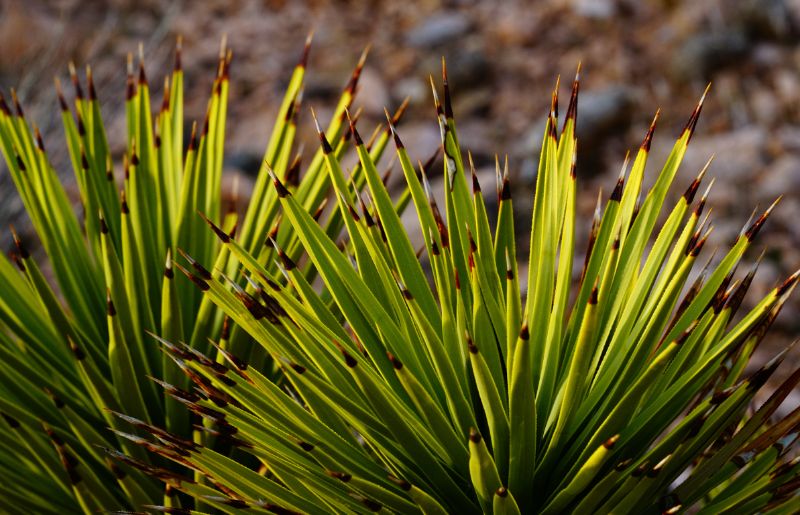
column 241, row 385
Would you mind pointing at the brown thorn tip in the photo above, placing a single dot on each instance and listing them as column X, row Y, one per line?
column 787, row 284
column 356, row 135
column 648, row 138
column 222, row 235
column 397, row 142
column 692, row 123
column 60, row 94
column 306, row 50
column 279, row 187
column 448, row 105
column 178, row 65
column 752, row 231
column 593, row 296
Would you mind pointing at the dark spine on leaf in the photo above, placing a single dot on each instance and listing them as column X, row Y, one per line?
column 62, row 102
column 130, row 89
column 165, row 96
column 200, row 283
column 402, row 483
column 622, row 465
column 123, row 202
column 691, row 191
column 352, row 84
column 474, row 435
column 786, row 285
column 142, row 74
column 76, row 351
column 371, row 504
column 222, row 235
column 3, row 106
column 593, row 296
column 397, row 142
column 719, row 396
column 476, row 186
column 318, row 213
column 21, row 249
column 721, row 296
column 349, row 360
column 616, row 194
column 448, row 106
column 17, row 261
column 21, row 164
column 178, row 65
column 201, row 271
column 11, row 421
column 648, row 138
column 76, row 84
column 204, row 132
column 524, row 334
column 691, row 125
column 306, row 49
column 680, row 340
column 38, row 137
column 762, row 375
column 609, row 444
column 90, row 84
column 81, row 126
column 365, row 211
column 341, row 476
column 572, row 107
column 753, row 230
column 193, row 138
column 17, row 105
column 279, row 187
column 286, row 261
column 473, row 349
column 395, row 362
column 354, row 131
column 505, row 191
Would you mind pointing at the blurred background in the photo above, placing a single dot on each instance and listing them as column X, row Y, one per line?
column 503, row 59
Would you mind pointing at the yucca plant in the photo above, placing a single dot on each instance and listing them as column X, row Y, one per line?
column 311, row 363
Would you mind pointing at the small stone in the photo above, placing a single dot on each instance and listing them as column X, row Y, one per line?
column 766, row 107
column 781, row 178
column 702, row 55
column 438, row 29
column 373, row 95
column 413, row 88
column 766, row 19
column 737, row 154
column 594, row 9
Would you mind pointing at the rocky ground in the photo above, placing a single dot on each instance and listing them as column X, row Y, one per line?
column 503, row 58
